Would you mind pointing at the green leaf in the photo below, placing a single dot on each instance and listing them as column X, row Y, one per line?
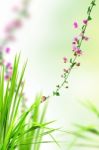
column 89, row 10
column 56, row 94
column 73, row 64
column 89, row 18
column 93, row 3
column 71, row 60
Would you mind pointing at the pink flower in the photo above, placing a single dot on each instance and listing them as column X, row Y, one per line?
column 75, row 24
column 79, row 52
column 6, row 77
column 9, row 28
column 8, row 65
column 74, row 48
column 17, row 23
column 7, row 50
column 74, row 43
column 76, row 39
column 14, row 24
column 86, row 38
column 65, row 60
column 85, row 21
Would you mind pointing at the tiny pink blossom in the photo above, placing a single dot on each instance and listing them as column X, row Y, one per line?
column 14, row 24
column 17, row 23
column 74, row 48
column 8, row 65
column 79, row 52
column 7, row 50
column 65, row 59
column 86, row 38
column 76, row 39
column 6, row 77
column 85, row 21
column 73, row 43
column 10, row 73
column 75, row 24
column 9, row 28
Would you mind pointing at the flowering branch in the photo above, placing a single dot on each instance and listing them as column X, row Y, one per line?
column 76, row 48
column 10, row 29
column 76, row 44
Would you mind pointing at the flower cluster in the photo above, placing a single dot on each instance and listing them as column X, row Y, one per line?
column 10, row 29
column 76, row 49
column 75, row 44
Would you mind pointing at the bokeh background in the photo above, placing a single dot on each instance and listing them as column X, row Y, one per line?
column 45, row 39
